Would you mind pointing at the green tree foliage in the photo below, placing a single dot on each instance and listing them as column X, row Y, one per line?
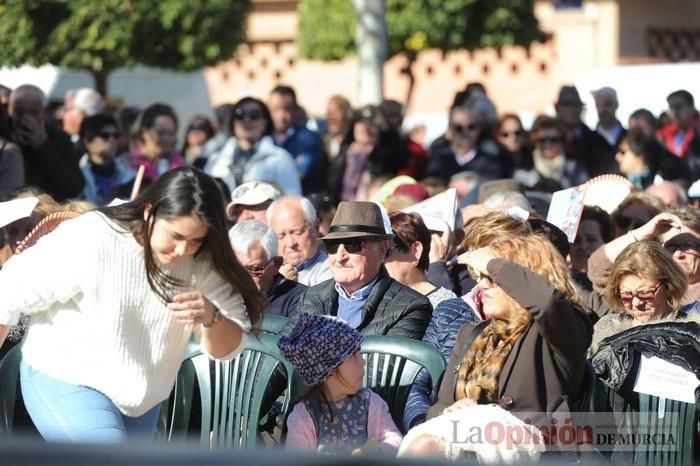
column 327, row 27
column 101, row 36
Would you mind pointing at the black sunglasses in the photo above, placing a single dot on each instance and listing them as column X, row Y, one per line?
column 253, row 115
column 506, row 134
column 107, row 135
column 352, row 246
column 547, row 140
column 463, row 129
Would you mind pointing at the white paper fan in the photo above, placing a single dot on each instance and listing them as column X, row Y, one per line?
column 607, row 191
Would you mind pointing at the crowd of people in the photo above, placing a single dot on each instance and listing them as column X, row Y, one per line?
column 260, row 213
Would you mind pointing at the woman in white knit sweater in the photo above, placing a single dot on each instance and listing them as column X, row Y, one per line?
column 115, row 295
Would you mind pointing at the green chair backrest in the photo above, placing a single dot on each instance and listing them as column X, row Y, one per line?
column 232, row 393
column 392, row 366
column 653, row 416
column 175, row 411
column 273, row 324
column 9, row 378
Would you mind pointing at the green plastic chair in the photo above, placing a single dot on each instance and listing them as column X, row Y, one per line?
column 273, row 324
column 684, row 431
column 392, row 366
column 9, row 379
column 644, row 410
column 232, row 392
column 175, row 411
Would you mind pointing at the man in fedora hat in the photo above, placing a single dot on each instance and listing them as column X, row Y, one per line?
column 361, row 291
column 583, row 144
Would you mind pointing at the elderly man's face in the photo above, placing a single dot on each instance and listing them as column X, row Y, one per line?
column 261, row 269
column 606, row 107
column 667, row 192
column 354, row 270
column 251, row 212
column 297, row 237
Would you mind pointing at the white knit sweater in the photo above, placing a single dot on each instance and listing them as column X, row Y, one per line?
column 95, row 320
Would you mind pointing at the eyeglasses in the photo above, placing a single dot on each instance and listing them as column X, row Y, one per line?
column 163, row 132
column 107, row 135
column 257, row 271
column 352, row 246
column 645, row 296
column 463, row 129
column 507, row 134
column 253, row 115
column 487, row 278
column 198, row 127
column 547, row 140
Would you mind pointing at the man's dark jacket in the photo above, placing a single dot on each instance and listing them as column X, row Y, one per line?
column 391, row 308
column 53, row 166
column 284, row 296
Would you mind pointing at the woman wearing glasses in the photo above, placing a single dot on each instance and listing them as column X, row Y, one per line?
column 678, row 231
column 513, row 137
column 645, row 284
column 250, row 154
column 105, row 176
column 530, row 355
column 551, row 170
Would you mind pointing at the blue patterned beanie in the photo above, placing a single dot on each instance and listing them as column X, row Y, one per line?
column 317, row 345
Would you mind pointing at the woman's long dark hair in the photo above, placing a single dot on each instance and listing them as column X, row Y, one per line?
column 182, row 192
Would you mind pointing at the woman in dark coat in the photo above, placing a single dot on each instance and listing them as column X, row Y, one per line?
column 530, row 356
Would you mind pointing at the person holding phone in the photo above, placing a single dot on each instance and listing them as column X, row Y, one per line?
column 50, row 162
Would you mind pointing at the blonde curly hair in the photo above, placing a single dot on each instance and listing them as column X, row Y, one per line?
column 537, row 253
column 494, row 226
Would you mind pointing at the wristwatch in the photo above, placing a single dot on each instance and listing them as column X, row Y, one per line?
column 215, row 320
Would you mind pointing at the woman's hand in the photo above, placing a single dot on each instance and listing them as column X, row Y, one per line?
column 192, row 307
column 461, row 404
column 477, row 259
column 662, row 223
column 440, row 245
column 368, row 447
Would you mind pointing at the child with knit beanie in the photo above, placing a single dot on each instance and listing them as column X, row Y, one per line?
column 336, row 415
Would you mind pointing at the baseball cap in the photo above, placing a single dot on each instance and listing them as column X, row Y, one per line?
column 252, row 193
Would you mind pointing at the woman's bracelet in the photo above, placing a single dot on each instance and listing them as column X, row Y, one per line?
column 214, row 320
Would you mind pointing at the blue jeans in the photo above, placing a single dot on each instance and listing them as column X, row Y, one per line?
column 63, row 412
